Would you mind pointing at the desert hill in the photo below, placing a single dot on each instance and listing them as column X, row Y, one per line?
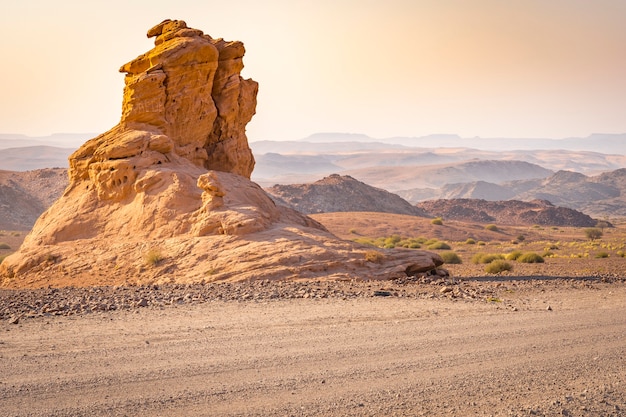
column 337, row 193
column 25, row 195
column 512, row 212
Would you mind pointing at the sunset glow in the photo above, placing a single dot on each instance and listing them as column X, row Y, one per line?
column 486, row 68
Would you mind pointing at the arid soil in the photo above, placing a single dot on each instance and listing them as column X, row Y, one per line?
column 542, row 349
column 545, row 340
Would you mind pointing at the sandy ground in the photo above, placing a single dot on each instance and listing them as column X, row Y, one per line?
column 363, row 356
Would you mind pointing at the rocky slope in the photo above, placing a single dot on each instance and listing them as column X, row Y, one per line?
column 25, row 195
column 512, row 212
column 340, row 193
column 165, row 195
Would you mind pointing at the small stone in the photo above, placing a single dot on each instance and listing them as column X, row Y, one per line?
column 549, row 308
column 445, row 290
column 14, row 320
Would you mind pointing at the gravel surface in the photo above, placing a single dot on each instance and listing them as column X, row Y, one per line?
column 18, row 305
column 531, row 348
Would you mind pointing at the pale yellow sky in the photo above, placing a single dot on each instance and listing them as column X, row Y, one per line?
column 489, row 68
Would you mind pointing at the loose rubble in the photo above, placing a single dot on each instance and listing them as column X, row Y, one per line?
column 17, row 304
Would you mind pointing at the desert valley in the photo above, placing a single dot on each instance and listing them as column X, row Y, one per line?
column 169, row 267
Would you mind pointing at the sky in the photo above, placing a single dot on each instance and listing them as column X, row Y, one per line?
column 488, row 68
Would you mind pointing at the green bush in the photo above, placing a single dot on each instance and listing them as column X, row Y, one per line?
column 439, row 245
column 437, row 221
column 602, row 255
column 4, row 246
column 451, row 258
column 513, row 256
column 497, row 266
column 485, row 258
column 530, row 258
column 492, row 227
column 470, row 241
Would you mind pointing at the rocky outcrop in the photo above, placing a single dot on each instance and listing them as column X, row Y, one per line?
column 165, row 195
column 337, row 193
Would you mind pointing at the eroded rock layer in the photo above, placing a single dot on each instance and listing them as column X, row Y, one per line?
column 165, row 195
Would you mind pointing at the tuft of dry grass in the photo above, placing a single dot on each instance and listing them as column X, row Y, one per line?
column 153, row 257
column 374, row 256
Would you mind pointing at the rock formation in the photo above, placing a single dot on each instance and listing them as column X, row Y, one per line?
column 165, row 195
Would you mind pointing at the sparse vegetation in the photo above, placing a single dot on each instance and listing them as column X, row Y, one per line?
column 4, row 245
column 521, row 238
column 352, row 231
column 2, row 258
column 620, row 253
column 153, row 257
column 451, row 258
column 602, row 254
column 530, row 258
column 390, row 242
column 437, row 221
column 513, row 256
column 485, row 258
column 492, row 227
column 498, row 266
column 593, row 233
column 470, row 241
column 374, row 256
column 439, row 246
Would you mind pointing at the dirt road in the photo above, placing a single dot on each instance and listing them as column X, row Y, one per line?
column 378, row 356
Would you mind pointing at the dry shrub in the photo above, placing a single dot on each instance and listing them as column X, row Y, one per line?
column 530, row 258
column 451, row 258
column 485, row 258
column 497, row 266
column 153, row 257
column 492, row 227
column 515, row 255
column 374, row 256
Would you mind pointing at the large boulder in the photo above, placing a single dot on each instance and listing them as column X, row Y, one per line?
column 165, row 195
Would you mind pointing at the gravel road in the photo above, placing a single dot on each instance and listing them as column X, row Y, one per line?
column 560, row 352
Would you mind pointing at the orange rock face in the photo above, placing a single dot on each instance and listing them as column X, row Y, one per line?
column 174, row 177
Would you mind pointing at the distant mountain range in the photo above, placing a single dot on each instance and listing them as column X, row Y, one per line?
column 585, row 174
column 601, row 195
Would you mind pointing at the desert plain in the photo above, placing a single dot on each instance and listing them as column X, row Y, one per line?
column 544, row 339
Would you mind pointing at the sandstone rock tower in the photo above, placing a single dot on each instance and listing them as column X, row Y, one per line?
column 172, row 179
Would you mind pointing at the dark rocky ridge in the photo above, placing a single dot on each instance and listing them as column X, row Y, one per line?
column 340, row 193
column 511, row 212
